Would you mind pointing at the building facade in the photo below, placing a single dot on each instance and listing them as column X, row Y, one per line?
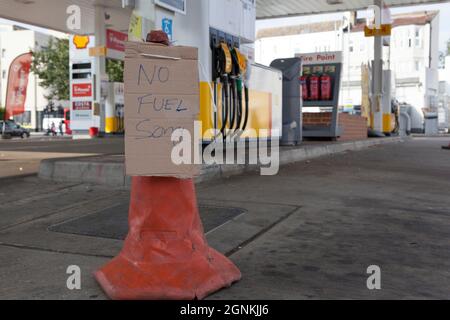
column 444, row 96
column 413, row 55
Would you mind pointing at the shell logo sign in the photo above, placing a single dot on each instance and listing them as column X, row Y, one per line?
column 81, row 42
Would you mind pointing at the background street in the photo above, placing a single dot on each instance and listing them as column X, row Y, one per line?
column 22, row 157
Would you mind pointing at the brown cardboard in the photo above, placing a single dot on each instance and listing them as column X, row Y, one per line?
column 135, row 49
column 159, row 76
column 168, row 106
column 150, row 134
column 161, row 95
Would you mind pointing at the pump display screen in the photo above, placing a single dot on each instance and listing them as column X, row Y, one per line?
column 82, row 75
column 81, row 66
column 175, row 5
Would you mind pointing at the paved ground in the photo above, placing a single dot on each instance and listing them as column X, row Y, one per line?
column 308, row 233
column 22, row 157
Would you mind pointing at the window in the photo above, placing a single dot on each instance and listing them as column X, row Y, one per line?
column 417, row 65
column 3, row 53
column 418, row 40
column 4, row 74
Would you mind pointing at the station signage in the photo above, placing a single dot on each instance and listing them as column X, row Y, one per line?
column 321, row 57
column 82, row 105
column 115, row 44
column 82, row 73
column 82, row 90
column 115, row 40
column 385, row 30
column 80, row 42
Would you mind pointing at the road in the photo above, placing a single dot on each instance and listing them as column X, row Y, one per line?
column 310, row 232
column 22, row 157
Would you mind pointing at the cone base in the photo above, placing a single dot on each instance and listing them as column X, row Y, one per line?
column 204, row 274
column 165, row 255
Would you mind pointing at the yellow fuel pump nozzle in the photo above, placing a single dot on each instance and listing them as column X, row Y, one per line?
column 241, row 63
column 223, row 66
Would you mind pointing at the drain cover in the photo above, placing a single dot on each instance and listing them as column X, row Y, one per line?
column 112, row 223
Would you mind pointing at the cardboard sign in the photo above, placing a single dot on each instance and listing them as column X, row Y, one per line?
column 161, row 96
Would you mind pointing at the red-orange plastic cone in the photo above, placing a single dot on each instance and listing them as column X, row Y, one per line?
column 165, row 255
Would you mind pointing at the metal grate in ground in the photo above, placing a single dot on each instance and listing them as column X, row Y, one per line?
column 112, row 223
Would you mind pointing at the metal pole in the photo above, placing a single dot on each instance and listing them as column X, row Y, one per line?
column 100, row 61
column 378, row 79
column 35, row 106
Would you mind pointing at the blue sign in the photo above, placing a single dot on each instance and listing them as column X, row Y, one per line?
column 167, row 26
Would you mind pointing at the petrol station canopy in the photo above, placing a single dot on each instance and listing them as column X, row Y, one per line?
column 267, row 9
column 52, row 14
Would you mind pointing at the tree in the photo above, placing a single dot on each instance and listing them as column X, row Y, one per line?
column 448, row 47
column 114, row 69
column 51, row 65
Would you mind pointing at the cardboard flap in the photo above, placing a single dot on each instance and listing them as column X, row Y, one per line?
column 159, row 51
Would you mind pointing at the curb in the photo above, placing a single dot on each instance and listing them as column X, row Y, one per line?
column 112, row 174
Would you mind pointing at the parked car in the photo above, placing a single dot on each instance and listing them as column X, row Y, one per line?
column 9, row 129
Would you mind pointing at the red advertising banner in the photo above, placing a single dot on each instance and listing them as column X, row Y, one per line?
column 16, row 94
column 115, row 40
column 82, row 90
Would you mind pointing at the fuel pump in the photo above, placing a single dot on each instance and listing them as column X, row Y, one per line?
column 237, row 91
column 222, row 69
column 241, row 76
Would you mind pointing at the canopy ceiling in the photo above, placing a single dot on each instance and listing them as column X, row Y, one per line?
column 51, row 14
column 267, row 9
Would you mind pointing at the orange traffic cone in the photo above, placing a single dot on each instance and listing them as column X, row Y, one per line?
column 165, row 255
